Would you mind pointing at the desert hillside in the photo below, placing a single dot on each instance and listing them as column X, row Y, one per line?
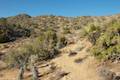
column 60, row 48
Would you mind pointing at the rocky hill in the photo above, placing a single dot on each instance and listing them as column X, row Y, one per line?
column 60, row 48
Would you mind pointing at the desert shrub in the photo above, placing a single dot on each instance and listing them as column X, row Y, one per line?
column 11, row 32
column 22, row 19
column 93, row 36
column 3, row 21
column 20, row 56
column 43, row 47
column 91, row 28
column 40, row 48
column 19, row 31
column 5, row 34
column 108, row 43
column 83, row 33
column 66, row 30
column 15, row 27
column 80, row 47
column 92, row 32
column 62, row 42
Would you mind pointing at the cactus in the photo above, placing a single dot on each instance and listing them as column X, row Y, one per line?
column 33, row 68
column 34, row 72
column 21, row 73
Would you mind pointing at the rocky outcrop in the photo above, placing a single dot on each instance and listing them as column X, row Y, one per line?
column 109, row 75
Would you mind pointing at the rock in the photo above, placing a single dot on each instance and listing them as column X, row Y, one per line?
column 116, row 78
column 79, row 60
column 72, row 53
column 108, row 75
column 114, row 58
column 58, row 75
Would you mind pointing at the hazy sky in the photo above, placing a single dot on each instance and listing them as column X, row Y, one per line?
column 59, row 7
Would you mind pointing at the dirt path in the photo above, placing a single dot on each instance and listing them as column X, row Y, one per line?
column 84, row 70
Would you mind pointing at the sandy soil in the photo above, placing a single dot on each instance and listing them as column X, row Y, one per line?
column 85, row 70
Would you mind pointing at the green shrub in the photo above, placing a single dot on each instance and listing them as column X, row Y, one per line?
column 66, row 30
column 108, row 43
column 93, row 36
column 83, row 33
column 43, row 47
column 5, row 34
column 3, row 21
column 19, row 56
column 93, row 33
column 62, row 42
column 11, row 32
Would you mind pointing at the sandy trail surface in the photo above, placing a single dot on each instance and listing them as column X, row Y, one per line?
column 84, row 70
